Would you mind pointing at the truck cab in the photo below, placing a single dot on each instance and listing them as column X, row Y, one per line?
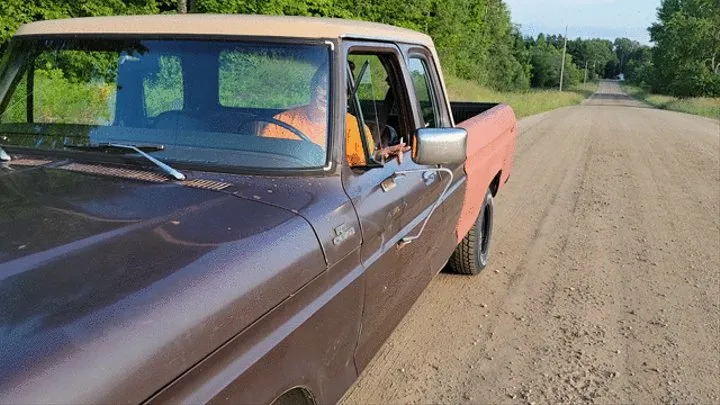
column 214, row 208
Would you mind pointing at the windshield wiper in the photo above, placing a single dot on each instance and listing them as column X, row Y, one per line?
column 118, row 147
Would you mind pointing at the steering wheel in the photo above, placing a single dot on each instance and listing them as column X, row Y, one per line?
column 287, row 126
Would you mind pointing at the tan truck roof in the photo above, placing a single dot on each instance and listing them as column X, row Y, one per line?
column 231, row 25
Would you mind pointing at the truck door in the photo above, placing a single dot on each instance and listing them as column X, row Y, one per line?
column 389, row 207
column 434, row 110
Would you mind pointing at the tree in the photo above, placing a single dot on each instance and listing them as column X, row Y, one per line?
column 14, row 13
column 639, row 66
column 624, row 47
column 597, row 53
column 546, row 61
column 686, row 56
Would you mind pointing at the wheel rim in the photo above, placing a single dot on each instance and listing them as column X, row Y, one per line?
column 485, row 229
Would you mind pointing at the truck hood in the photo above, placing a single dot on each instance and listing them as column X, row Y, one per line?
column 110, row 287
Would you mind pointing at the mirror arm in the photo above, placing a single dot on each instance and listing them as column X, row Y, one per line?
column 409, row 239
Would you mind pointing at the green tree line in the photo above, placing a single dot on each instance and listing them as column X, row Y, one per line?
column 476, row 39
column 684, row 60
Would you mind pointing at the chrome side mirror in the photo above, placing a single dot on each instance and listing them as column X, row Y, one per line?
column 437, row 146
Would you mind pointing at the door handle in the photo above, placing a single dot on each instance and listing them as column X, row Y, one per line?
column 388, row 184
column 409, row 239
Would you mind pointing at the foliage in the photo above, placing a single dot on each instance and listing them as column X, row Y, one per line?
column 59, row 100
column 546, row 61
column 244, row 80
column 686, row 56
column 597, row 53
column 475, row 38
column 639, row 66
column 705, row 106
column 14, row 13
column 164, row 89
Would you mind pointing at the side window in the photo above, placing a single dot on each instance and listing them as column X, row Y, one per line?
column 382, row 113
column 422, row 84
column 164, row 89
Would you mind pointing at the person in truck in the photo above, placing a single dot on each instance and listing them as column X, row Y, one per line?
column 311, row 119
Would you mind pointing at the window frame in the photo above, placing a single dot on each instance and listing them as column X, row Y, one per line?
column 399, row 74
column 442, row 105
column 431, row 92
column 356, row 108
column 27, row 73
column 27, row 102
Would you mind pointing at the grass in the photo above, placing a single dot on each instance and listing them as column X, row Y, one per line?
column 704, row 106
column 57, row 100
column 523, row 103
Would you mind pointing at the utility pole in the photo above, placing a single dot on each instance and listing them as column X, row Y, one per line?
column 585, row 80
column 562, row 67
column 186, row 5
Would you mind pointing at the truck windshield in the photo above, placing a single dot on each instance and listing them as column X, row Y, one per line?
column 257, row 105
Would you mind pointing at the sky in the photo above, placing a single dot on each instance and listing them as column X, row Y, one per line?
column 608, row 19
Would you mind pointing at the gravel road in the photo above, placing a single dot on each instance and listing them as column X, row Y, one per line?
column 604, row 282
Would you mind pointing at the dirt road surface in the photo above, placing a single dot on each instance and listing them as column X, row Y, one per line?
column 604, row 282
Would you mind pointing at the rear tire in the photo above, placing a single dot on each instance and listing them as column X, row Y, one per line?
column 472, row 254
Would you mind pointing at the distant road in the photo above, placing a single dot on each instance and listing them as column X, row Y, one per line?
column 610, row 94
column 603, row 285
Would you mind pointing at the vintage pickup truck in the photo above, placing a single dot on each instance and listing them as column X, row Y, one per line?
column 236, row 209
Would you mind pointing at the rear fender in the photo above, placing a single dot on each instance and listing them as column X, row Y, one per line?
column 491, row 140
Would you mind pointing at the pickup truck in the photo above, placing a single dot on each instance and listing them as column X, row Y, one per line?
column 227, row 208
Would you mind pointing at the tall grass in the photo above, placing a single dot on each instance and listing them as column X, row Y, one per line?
column 704, row 106
column 60, row 101
column 259, row 80
column 523, row 103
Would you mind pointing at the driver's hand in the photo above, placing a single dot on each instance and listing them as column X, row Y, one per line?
column 395, row 150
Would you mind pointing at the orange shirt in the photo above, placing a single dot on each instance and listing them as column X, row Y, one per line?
column 353, row 141
column 317, row 132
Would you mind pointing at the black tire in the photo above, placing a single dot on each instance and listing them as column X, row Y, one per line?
column 295, row 396
column 472, row 254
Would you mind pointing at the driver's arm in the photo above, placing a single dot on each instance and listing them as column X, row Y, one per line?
column 354, row 151
column 354, row 148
